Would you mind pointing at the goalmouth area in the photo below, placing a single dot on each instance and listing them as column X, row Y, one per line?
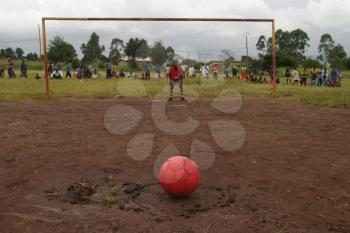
column 227, row 20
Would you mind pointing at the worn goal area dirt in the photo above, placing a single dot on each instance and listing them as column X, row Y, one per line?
column 62, row 171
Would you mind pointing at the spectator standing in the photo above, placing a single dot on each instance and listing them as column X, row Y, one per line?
column 68, row 70
column 287, row 74
column 191, row 71
column 24, row 69
column 148, row 71
column 314, row 74
column 324, row 77
column 158, row 73
column 234, row 71
column 244, row 73
column 304, row 76
column 296, row 77
column 334, row 77
column 108, row 71
column 50, row 69
column 10, row 66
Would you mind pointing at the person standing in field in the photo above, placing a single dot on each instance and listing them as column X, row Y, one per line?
column 108, row 71
column 314, row 74
column 176, row 78
column 234, row 72
column 215, row 69
column 296, row 77
column 287, row 74
column 10, row 70
column 191, row 71
column 205, row 71
column 304, row 76
column 68, row 70
column 244, row 72
column 24, row 69
column 158, row 73
column 50, row 69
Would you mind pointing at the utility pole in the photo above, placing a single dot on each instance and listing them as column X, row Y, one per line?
column 246, row 44
column 40, row 50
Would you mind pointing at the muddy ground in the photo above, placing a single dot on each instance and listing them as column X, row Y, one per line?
column 62, row 171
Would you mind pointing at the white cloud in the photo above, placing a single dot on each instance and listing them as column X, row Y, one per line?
column 19, row 21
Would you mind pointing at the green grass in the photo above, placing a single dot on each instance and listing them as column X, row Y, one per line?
column 30, row 89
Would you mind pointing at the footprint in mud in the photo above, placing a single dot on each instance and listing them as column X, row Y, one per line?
column 149, row 199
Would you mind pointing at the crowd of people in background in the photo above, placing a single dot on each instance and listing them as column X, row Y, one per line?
column 244, row 72
column 314, row 77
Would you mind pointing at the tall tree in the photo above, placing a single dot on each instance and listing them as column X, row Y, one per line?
column 337, row 57
column 299, row 42
column 32, row 57
column 158, row 53
column 326, row 45
column 61, row 51
column 261, row 45
column 92, row 51
column 19, row 53
column 137, row 48
column 8, row 53
column 116, row 50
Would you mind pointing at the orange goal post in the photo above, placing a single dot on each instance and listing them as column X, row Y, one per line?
column 227, row 20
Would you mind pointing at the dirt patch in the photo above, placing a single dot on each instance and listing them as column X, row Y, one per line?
column 62, row 171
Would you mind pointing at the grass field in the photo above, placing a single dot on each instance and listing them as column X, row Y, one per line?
column 19, row 89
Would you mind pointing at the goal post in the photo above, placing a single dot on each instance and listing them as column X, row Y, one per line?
column 272, row 21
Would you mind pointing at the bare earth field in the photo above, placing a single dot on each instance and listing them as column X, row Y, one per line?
column 62, row 171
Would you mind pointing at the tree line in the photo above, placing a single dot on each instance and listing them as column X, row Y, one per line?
column 93, row 52
column 18, row 54
column 291, row 47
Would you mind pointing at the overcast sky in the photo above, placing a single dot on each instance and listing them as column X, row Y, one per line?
column 19, row 20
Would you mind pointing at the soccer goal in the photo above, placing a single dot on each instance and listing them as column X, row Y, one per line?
column 224, row 20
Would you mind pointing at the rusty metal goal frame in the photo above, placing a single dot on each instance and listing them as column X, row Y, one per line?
column 272, row 21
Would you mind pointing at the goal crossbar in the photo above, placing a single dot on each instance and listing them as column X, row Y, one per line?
column 272, row 21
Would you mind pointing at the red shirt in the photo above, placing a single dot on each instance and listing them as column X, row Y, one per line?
column 175, row 73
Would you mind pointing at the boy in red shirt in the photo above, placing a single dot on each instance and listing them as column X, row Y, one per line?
column 176, row 75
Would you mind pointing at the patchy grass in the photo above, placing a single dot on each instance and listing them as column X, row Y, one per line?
column 30, row 89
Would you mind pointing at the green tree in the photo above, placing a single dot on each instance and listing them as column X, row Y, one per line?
column 116, row 50
column 61, row 51
column 337, row 57
column 299, row 42
column 19, row 53
column 290, row 47
column 326, row 46
column 136, row 48
column 261, row 45
column 32, row 57
column 310, row 63
column 158, row 53
column 92, row 51
column 8, row 53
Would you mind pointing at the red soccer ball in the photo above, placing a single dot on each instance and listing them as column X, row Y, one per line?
column 179, row 176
